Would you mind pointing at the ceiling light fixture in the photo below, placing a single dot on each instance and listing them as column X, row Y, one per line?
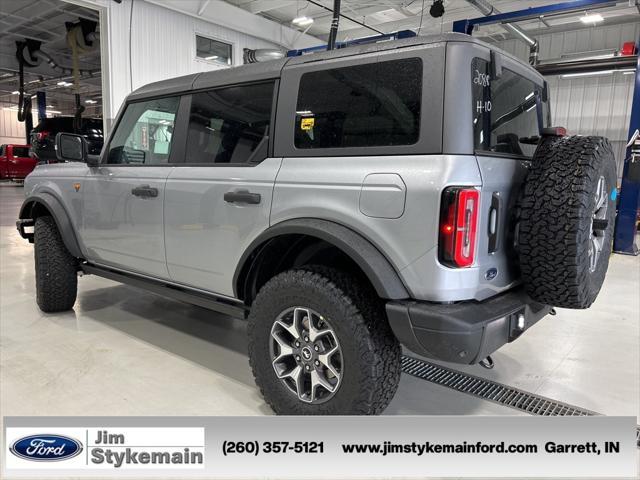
column 15, row 92
column 591, row 18
column 88, row 100
column 302, row 21
column 212, row 57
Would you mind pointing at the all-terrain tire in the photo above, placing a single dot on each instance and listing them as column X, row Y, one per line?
column 370, row 351
column 556, row 227
column 56, row 269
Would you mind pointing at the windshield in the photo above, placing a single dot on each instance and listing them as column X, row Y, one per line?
column 506, row 111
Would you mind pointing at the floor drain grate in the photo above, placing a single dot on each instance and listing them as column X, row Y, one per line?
column 492, row 391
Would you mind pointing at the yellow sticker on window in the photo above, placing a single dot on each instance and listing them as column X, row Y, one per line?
column 307, row 123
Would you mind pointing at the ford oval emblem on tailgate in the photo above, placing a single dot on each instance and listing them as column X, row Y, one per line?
column 46, row 447
column 491, row 273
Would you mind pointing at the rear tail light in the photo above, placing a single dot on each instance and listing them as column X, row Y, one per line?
column 628, row 48
column 42, row 135
column 458, row 226
column 554, row 132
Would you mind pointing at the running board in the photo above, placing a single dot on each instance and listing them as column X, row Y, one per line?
column 176, row 292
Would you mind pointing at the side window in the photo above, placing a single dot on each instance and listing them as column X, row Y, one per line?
column 505, row 110
column 230, row 125
column 376, row 104
column 143, row 135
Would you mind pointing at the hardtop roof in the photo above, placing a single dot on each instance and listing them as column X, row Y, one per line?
column 273, row 69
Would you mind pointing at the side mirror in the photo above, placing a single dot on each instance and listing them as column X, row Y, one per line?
column 93, row 160
column 71, row 147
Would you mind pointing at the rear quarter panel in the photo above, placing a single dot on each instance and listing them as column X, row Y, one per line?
column 331, row 188
column 330, row 185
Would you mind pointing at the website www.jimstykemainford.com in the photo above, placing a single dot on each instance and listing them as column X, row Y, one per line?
column 426, row 448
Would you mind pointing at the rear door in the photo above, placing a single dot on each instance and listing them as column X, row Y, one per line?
column 19, row 163
column 124, row 198
column 219, row 199
column 507, row 110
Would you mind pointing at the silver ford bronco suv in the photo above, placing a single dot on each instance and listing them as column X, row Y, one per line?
column 347, row 202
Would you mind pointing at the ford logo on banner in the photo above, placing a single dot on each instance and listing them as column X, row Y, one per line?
column 46, row 448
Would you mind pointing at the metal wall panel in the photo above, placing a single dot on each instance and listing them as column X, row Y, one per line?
column 11, row 131
column 162, row 45
column 596, row 105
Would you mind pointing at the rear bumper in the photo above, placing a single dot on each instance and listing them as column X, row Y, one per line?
column 464, row 332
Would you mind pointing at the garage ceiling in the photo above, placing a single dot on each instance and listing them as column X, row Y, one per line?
column 44, row 20
column 393, row 15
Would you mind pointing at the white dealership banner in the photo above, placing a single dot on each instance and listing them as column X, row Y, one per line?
column 320, row 447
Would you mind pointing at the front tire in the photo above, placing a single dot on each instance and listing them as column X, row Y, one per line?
column 56, row 268
column 320, row 344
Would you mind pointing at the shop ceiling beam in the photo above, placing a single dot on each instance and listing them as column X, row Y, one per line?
column 259, row 6
column 533, row 13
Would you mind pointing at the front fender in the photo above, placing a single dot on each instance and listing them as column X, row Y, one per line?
column 45, row 203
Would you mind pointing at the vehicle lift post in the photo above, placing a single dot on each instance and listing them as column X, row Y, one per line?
column 627, row 219
column 41, row 98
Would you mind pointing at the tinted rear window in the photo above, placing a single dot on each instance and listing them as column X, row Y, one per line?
column 506, row 110
column 376, row 104
column 20, row 152
column 230, row 125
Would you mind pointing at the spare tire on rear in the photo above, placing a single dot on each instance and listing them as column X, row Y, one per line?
column 567, row 213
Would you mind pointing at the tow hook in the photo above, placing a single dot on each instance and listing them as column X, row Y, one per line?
column 487, row 363
column 552, row 311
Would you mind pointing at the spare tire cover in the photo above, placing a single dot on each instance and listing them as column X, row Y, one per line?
column 566, row 220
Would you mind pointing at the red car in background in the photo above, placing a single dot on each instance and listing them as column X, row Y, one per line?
column 15, row 162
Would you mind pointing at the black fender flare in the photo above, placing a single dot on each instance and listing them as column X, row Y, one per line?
column 378, row 269
column 55, row 207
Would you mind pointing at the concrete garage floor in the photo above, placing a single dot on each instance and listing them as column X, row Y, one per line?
column 123, row 351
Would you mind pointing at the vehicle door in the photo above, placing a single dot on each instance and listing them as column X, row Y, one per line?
column 3, row 161
column 124, row 197
column 219, row 199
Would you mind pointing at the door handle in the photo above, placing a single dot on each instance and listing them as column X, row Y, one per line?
column 242, row 196
column 494, row 222
column 145, row 191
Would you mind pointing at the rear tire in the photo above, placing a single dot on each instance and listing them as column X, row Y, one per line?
column 567, row 219
column 368, row 371
column 56, row 269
